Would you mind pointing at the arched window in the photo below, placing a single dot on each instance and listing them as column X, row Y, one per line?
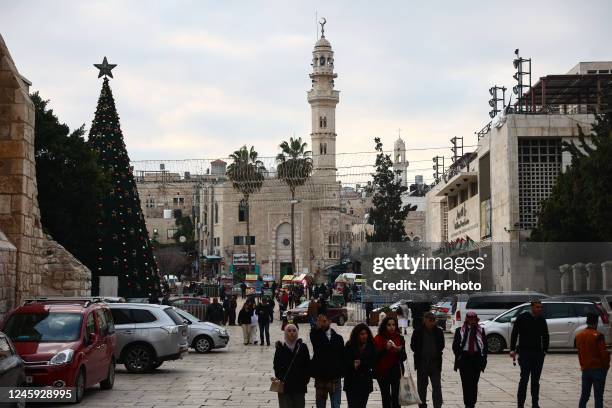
column 324, row 122
column 322, row 61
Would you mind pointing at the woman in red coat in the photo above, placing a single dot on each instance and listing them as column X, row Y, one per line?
column 391, row 353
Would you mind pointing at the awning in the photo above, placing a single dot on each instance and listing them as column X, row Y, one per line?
column 457, row 182
column 287, row 278
column 211, row 257
column 250, row 277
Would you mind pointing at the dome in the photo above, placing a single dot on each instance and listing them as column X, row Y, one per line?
column 322, row 42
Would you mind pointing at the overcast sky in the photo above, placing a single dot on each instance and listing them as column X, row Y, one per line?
column 198, row 79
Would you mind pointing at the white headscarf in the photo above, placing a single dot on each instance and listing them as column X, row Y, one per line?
column 289, row 344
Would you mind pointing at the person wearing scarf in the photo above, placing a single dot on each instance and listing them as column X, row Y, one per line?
column 470, row 348
column 391, row 352
column 291, row 366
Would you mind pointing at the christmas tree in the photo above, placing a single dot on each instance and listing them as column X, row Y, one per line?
column 123, row 245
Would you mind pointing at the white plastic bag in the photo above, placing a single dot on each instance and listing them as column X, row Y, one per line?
column 408, row 393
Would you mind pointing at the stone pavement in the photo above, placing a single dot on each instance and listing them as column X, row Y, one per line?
column 240, row 376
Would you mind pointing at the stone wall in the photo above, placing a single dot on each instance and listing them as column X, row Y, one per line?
column 19, row 213
column 8, row 268
column 63, row 274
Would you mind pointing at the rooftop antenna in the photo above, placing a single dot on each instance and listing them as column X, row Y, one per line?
column 399, row 133
column 317, row 24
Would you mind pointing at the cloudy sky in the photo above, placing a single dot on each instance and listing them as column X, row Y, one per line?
column 198, row 79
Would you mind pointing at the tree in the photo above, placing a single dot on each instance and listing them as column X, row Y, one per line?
column 387, row 213
column 578, row 209
column 294, row 166
column 124, row 249
column 69, row 181
column 247, row 175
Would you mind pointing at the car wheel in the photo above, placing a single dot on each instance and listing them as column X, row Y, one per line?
column 156, row 365
column 341, row 321
column 495, row 343
column 202, row 344
column 110, row 378
column 79, row 386
column 138, row 359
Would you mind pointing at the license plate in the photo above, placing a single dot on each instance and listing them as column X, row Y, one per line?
column 28, row 379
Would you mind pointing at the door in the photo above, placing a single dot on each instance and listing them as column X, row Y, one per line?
column 561, row 323
column 92, row 351
column 124, row 328
column 106, row 343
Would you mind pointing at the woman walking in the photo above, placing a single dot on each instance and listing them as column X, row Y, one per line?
column 359, row 361
column 470, row 348
column 244, row 320
column 391, row 352
column 291, row 366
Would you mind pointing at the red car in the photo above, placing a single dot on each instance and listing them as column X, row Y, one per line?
column 335, row 313
column 64, row 342
column 186, row 300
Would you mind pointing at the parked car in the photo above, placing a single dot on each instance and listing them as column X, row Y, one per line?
column 600, row 298
column 490, row 304
column 65, row 342
column 204, row 336
column 148, row 335
column 336, row 313
column 442, row 310
column 564, row 318
column 237, row 290
column 12, row 367
column 188, row 300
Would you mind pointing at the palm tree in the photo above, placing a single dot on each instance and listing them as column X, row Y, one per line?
column 294, row 166
column 247, row 175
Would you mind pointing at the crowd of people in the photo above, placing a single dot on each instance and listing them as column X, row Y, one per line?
column 383, row 357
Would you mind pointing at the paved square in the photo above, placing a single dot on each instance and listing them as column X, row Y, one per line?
column 240, row 376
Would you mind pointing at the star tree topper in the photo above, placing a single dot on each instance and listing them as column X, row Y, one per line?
column 105, row 68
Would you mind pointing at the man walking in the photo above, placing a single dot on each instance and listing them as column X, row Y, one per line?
column 531, row 331
column 427, row 343
column 243, row 288
column 327, row 363
column 264, row 317
column 594, row 362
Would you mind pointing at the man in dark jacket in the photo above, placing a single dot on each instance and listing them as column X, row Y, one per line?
column 327, row 362
column 531, row 330
column 427, row 343
column 215, row 312
column 264, row 317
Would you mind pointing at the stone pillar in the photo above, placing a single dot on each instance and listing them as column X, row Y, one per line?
column 19, row 213
column 579, row 274
column 606, row 275
column 594, row 280
column 564, row 272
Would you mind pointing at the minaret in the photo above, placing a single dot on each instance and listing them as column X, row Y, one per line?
column 400, row 164
column 323, row 99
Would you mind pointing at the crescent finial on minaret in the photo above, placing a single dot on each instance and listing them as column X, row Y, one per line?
column 322, row 22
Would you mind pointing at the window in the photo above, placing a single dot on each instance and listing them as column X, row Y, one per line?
column 174, row 316
column 463, row 195
column 142, row 316
column 102, row 323
column 473, row 189
column 170, row 233
column 121, row 316
column 150, row 202
column 238, row 240
column 178, row 200
column 591, row 71
column 129, row 316
column 216, row 213
column 251, row 239
column 91, row 326
column 507, row 317
column 242, row 211
column 558, row 310
column 109, row 321
column 582, row 309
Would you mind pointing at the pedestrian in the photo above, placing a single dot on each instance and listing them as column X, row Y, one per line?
column 222, row 294
column 166, row 299
column 226, row 309
column 291, row 366
column 312, row 312
column 359, row 363
column 427, row 344
column 327, row 363
column 244, row 320
column 233, row 305
column 402, row 318
column 391, row 351
column 254, row 323
column 369, row 306
column 470, row 349
column 264, row 317
column 531, row 331
column 594, row 361
column 291, row 300
column 215, row 312
column 243, row 288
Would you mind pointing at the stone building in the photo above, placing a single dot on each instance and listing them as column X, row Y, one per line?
column 488, row 200
column 31, row 264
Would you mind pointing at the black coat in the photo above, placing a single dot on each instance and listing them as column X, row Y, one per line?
column 459, row 345
column 215, row 312
column 328, row 355
column 244, row 316
column 297, row 377
column 264, row 313
column 361, row 378
column 416, row 345
column 531, row 333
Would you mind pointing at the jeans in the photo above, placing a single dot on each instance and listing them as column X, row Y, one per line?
column 264, row 327
column 389, row 392
column 423, row 377
column 595, row 378
column 334, row 397
column 357, row 399
column 291, row 400
column 531, row 363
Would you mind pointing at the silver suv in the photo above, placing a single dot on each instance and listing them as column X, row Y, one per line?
column 147, row 335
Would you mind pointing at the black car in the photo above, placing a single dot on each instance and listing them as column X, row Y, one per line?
column 12, row 368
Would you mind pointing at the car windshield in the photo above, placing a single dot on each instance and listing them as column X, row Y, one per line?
column 187, row 315
column 44, row 327
column 506, row 317
column 303, row 305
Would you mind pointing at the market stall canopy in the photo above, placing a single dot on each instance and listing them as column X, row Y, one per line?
column 250, row 277
column 287, row 278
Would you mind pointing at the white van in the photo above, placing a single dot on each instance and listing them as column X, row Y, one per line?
column 489, row 304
